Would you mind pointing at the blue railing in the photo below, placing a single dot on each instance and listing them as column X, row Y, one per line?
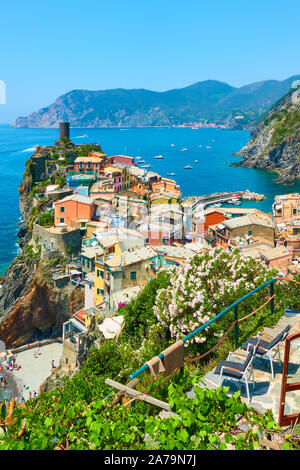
column 217, row 317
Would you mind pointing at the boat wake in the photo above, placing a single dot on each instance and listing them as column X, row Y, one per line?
column 31, row 149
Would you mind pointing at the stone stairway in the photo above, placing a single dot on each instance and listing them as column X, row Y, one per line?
column 266, row 393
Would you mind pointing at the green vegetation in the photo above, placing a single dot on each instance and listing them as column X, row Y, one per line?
column 284, row 117
column 45, row 219
column 31, row 254
column 85, row 149
column 60, row 180
column 78, row 412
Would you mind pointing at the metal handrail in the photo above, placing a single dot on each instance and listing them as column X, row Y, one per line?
column 217, row 317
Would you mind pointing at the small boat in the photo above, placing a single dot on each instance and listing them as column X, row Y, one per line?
column 188, row 167
column 158, row 157
column 208, row 147
column 171, row 174
column 141, row 161
column 138, row 158
column 196, row 161
column 172, row 145
column 185, row 150
column 146, row 166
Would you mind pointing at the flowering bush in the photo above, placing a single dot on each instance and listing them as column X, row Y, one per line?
column 205, row 286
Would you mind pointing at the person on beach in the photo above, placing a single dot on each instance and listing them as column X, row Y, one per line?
column 52, row 364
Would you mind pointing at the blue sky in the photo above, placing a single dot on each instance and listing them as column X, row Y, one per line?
column 49, row 47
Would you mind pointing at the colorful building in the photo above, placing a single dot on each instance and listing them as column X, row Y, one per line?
column 90, row 164
column 124, row 159
column 286, row 207
column 74, row 211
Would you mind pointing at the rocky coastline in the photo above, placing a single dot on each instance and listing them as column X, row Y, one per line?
column 31, row 306
column 275, row 143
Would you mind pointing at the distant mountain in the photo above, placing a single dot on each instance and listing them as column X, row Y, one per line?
column 275, row 143
column 210, row 100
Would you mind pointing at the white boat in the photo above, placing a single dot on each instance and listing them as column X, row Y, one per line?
column 185, row 150
column 141, row 161
column 158, row 157
column 171, row 174
column 138, row 158
column 172, row 145
column 234, row 201
column 196, row 161
column 188, row 167
column 208, row 147
column 146, row 166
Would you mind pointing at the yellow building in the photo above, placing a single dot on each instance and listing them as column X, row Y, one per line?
column 111, row 246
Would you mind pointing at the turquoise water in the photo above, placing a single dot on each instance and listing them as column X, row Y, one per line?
column 212, row 173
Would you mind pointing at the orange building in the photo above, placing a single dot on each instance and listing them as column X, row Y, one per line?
column 74, row 211
column 213, row 217
column 286, row 207
column 166, row 184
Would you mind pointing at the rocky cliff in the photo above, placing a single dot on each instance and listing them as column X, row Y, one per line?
column 275, row 143
column 30, row 305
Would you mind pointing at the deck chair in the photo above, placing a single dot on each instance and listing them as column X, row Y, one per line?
column 239, row 371
column 268, row 349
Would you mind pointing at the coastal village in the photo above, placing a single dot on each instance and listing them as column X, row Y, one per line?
column 114, row 226
column 118, row 225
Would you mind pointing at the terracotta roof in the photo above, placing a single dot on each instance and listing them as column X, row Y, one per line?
column 80, row 316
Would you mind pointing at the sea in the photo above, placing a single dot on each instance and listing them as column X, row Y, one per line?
column 213, row 148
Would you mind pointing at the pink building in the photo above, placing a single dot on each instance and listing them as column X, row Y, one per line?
column 125, row 160
column 92, row 163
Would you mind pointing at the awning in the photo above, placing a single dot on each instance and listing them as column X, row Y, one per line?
column 75, row 271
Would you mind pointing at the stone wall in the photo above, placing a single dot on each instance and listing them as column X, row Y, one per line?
column 40, row 167
column 69, row 356
column 257, row 231
column 51, row 241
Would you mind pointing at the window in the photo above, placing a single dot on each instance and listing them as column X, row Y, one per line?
column 100, row 291
column 61, row 220
column 164, row 241
column 133, row 275
column 294, row 211
column 62, row 209
column 100, row 273
column 82, row 225
column 147, row 241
